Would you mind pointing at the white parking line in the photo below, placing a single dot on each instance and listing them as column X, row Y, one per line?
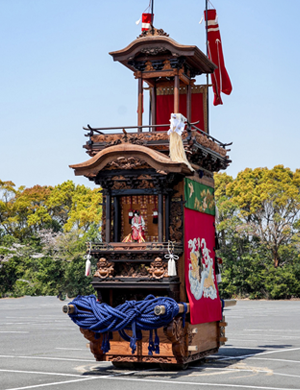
column 40, row 373
column 50, row 384
column 169, row 382
column 197, row 384
column 246, row 370
column 275, row 360
column 258, row 354
column 47, row 358
column 72, row 349
column 12, row 331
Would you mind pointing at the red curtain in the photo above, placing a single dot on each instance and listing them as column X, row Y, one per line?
column 200, row 276
column 165, row 107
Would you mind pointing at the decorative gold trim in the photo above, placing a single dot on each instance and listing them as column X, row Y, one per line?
column 182, row 90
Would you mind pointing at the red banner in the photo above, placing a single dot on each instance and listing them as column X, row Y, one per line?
column 220, row 79
column 200, row 275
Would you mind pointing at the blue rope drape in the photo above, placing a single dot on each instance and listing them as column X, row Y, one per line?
column 135, row 315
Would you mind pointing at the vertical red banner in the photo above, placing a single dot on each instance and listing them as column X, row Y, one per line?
column 200, row 276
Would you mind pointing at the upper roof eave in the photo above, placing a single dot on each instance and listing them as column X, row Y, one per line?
column 193, row 54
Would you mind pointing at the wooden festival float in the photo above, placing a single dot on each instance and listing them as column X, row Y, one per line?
column 158, row 231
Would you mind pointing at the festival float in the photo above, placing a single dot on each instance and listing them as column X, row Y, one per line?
column 157, row 273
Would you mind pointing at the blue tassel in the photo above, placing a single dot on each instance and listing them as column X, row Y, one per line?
column 151, row 345
column 156, row 342
column 133, row 338
column 105, row 343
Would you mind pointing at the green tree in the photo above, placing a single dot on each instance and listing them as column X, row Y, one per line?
column 269, row 204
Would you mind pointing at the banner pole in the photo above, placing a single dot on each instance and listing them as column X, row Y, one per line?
column 152, row 1
column 207, row 77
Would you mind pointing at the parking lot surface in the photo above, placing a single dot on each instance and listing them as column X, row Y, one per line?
column 41, row 348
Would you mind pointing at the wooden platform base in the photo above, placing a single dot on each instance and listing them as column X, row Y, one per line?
column 178, row 345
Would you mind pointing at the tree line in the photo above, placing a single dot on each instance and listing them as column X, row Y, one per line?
column 258, row 231
column 44, row 231
column 43, row 236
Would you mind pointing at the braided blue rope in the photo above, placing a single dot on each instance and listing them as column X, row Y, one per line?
column 135, row 315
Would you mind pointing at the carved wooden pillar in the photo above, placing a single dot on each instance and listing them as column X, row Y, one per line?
column 108, row 218
column 140, row 104
column 116, row 219
column 153, row 106
column 160, row 217
column 176, row 94
column 189, row 103
column 167, row 217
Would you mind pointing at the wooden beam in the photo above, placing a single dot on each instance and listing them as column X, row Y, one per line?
column 108, row 218
column 140, row 104
column 153, row 106
column 160, row 217
column 189, row 103
column 176, row 94
column 116, row 219
column 167, row 217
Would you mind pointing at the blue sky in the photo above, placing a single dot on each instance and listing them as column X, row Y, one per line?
column 56, row 76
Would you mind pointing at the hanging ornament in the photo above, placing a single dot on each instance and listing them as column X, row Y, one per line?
column 88, row 265
column 88, row 262
column 171, row 257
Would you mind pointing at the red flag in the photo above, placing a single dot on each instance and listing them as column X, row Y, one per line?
column 220, row 79
column 146, row 20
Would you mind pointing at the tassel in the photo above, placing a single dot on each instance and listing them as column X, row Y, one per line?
column 133, row 338
column 172, row 266
column 105, row 343
column 156, row 342
column 138, row 21
column 171, row 257
column 201, row 20
column 151, row 345
column 88, row 265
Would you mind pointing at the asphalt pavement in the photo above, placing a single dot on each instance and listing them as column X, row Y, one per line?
column 40, row 348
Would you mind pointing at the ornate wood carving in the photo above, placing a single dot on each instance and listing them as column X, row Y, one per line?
column 127, row 163
column 176, row 218
column 125, row 359
column 167, row 65
column 149, row 66
column 105, row 269
column 130, row 270
column 157, row 359
column 158, row 269
column 176, row 334
column 139, row 359
column 95, row 344
column 152, row 51
column 153, row 31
